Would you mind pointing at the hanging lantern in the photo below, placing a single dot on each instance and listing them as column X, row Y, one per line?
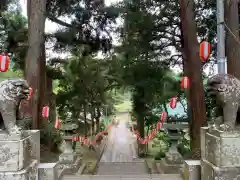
column 159, row 125
column 163, row 116
column 185, row 84
column 57, row 124
column 80, row 139
column 4, row 63
column 173, row 102
column 45, row 112
column 30, row 93
column 204, row 51
column 75, row 138
column 85, row 141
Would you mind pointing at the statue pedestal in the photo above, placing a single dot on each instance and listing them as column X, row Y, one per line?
column 221, row 154
column 18, row 157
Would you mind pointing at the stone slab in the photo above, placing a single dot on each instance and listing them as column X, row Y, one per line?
column 47, row 171
column 192, row 170
column 35, row 144
column 222, row 148
column 15, row 155
column 211, row 172
column 28, row 173
column 203, row 131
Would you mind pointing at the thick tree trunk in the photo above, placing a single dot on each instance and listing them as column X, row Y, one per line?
column 232, row 45
column 85, row 121
column 139, row 110
column 191, row 47
column 93, row 123
column 98, row 119
column 35, row 58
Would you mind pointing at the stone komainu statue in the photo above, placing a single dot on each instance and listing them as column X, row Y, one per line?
column 12, row 91
column 226, row 89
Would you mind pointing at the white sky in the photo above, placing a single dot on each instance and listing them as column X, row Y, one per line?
column 51, row 27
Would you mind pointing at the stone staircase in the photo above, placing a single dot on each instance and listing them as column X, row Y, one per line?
column 119, row 168
column 123, row 171
column 125, row 177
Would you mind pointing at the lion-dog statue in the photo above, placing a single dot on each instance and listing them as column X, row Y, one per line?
column 226, row 89
column 12, row 92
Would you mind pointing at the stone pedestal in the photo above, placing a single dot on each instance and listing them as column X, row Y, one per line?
column 69, row 162
column 172, row 162
column 18, row 156
column 221, row 159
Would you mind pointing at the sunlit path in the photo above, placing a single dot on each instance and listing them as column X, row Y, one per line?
column 120, row 147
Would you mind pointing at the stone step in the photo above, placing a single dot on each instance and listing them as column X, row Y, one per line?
column 124, row 177
column 118, row 168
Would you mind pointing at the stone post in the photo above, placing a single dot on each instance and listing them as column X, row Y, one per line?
column 221, row 151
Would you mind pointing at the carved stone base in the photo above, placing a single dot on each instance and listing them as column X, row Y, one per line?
column 15, row 155
column 212, row 172
column 28, row 173
column 221, row 148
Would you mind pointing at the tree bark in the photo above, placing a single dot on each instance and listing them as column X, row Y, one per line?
column 232, row 45
column 85, row 120
column 34, row 70
column 196, row 92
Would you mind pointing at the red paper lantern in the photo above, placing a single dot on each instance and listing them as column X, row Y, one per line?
column 163, row 116
column 185, row 82
column 30, row 93
column 45, row 112
column 4, row 63
column 159, row 125
column 80, row 139
column 57, row 124
column 173, row 102
column 75, row 138
column 85, row 141
column 204, row 51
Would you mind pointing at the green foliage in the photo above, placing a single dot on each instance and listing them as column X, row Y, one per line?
column 160, row 155
column 13, row 36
